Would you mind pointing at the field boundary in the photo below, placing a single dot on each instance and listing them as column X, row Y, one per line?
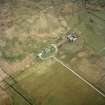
column 80, row 77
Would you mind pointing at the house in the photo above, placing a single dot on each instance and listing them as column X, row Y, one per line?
column 72, row 37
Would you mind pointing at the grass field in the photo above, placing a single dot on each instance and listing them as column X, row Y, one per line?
column 52, row 84
column 49, row 83
column 35, row 27
column 88, row 52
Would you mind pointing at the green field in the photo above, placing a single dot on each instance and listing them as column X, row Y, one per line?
column 49, row 83
column 37, row 24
